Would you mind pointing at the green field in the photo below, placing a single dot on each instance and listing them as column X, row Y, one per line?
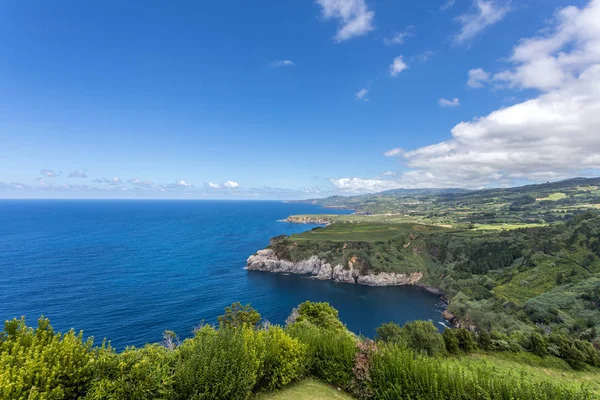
column 308, row 389
column 364, row 232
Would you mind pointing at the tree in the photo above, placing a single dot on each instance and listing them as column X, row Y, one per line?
column 319, row 314
column 389, row 332
column 237, row 316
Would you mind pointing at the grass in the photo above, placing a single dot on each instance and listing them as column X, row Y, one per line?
column 555, row 196
column 501, row 227
column 308, row 389
column 529, row 365
column 363, row 232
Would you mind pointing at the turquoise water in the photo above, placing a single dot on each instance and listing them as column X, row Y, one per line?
column 129, row 270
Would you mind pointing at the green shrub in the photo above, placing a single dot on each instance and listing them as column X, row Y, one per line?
column 41, row 364
column 389, row 332
column 423, row 337
column 218, row 364
column 319, row 314
column 237, row 316
column 135, row 374
column 283, row 360
column 451, row 341
column 330, row 354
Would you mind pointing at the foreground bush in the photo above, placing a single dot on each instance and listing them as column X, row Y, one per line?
column 41, row 364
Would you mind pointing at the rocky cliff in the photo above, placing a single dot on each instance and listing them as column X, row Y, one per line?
column 266, row 260
column 299, row 219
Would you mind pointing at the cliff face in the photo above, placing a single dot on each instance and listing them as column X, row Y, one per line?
column 266, row 260
column 307, row 220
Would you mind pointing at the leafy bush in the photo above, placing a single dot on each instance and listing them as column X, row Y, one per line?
column 218, row 364
column 319, row 314
column 41, row 364
column 283, row 361
column 238, row 315
column 331, row 353
column 138, row 374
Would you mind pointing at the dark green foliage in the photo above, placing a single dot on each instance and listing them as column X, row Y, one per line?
column 389, row 332
column 319, row 314
column 420, row 336
column 451, row 341
column 238, row 315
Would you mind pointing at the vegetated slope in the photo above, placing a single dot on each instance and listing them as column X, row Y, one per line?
column 532, row 204
column 545, row 277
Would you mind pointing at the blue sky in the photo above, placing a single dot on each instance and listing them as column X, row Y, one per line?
column 294, row 99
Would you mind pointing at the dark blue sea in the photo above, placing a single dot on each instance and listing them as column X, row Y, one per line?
column 129, row 270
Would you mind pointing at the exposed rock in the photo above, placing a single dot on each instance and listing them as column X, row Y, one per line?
column 266, row 260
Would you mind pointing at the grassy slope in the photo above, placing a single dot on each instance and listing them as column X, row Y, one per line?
column 531, row 366
column 309, row 389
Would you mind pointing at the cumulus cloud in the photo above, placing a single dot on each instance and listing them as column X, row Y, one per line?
column 361, row 95
column 399, row 37
column 354, row 17
column 559, row 57
column 77, row 174
column 485, row 13
column 478, row 78
column 449, row 103
column 549, row 137
column 394, row 152
column 231, row 185
column 282, row 63
column 397, row 66
column 214, row 185
column 49, row 173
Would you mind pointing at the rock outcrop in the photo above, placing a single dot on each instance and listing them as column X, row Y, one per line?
column 298, row 219
column 267, row 260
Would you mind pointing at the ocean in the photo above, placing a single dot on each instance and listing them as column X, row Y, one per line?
column 129, row 270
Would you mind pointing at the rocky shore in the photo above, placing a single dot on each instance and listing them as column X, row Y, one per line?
column 306, row 220
column 266, row 260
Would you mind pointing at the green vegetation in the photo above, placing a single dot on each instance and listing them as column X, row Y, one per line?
column 534, row 279
column 506, row 208
column 313, row 357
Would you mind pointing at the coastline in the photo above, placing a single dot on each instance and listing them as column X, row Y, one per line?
column 266, row 261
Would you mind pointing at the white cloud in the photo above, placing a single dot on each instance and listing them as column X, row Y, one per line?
column 399, row 37
column 449, row 103
column 556, row 59
column 77, row 174
column 549, row 137
column 397, row 66
column 49, row 173
column 354, row 17
column 394, row 152
column 478, row 78
column 282, row 63
column 485, row 13
column 183, row 183
column 447, row 5
column 214, row 185
column 231, row 185
column 358, row 185
column 361, row 95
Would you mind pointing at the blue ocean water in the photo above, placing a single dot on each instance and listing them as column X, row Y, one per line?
column 129, row 270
